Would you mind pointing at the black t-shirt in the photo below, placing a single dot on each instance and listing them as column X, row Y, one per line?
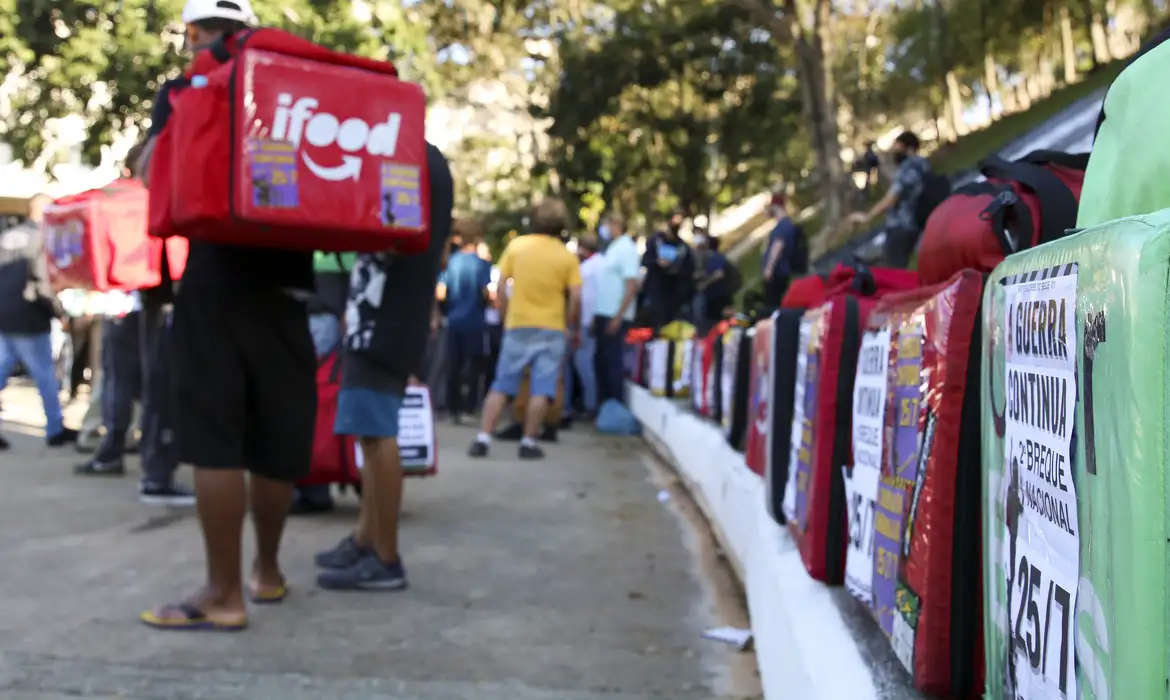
column 233, row 265
column 391, row 297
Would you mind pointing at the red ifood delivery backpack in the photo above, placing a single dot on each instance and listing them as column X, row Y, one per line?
column 97, row 241
column 279, row 142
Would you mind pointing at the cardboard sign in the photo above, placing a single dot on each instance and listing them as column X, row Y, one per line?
column 416, row 434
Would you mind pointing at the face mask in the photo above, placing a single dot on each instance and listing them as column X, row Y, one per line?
column 603, row 232
column 900, row 157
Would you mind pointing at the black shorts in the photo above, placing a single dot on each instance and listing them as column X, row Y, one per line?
column 245, row 381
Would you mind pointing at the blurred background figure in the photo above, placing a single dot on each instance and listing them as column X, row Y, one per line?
column 580, row 379
column 27, row 309
column 464, row 292
column 717, row 283
column 670, row 270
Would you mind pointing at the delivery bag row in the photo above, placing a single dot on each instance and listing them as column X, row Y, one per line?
column 976, row 452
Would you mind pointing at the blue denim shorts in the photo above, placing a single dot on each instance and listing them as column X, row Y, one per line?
column 367, row 413
column 539, row 349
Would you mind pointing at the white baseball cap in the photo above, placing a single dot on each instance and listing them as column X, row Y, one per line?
column 237, row 10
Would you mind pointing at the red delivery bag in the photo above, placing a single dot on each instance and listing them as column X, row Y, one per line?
column 791, row 335
column 337, row 459
column 829, row 337
column 759, row 418
column 637, row 358
column 279, row 142
column 1021, row 204
column 713, row 371
column 914, row 513
column 334, row 459
column 97, row 240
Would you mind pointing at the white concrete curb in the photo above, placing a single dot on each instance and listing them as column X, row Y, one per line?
column 804, row 648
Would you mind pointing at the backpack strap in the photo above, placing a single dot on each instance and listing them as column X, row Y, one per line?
column 1076, row 161
column 1057, row 202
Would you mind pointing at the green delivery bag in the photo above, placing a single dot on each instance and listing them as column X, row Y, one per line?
column 1075, row 455
column 1129, row 168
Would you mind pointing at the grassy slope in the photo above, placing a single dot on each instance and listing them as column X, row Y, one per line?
column 970, row 149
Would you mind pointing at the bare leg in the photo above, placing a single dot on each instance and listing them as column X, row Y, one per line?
column 222, row 505
column 492, row 408
column 534, row 416
column 364, row 535
column 269, row 512
column 384, row 501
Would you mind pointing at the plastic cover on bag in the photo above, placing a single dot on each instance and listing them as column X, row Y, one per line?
column 727, row 371
column 821, row 433
column 759, row 412
column 658, row 365
column 1075, row 394
column 913, row 490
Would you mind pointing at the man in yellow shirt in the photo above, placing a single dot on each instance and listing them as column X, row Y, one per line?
column 540, row 302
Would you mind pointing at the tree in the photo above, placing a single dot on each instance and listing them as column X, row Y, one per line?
column 104, row 61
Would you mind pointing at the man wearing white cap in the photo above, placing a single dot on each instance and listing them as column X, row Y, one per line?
column 244, row 379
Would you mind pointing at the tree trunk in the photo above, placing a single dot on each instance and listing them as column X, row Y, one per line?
column 1095, row 29
column 817, row 91
column 995, row 101
column 955, row 104
column 1068, row 50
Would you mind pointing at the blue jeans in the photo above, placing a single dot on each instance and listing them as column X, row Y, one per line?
column 466, row 349
column 541, row 350
column 583, row 359
column 367, row 413
column 35, row 352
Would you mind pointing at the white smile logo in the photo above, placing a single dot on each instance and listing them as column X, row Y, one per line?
column 321, row 129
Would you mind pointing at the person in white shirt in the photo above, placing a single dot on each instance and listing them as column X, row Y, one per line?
column 583, row 357
column 618, row 277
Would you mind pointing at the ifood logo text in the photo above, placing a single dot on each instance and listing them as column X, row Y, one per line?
column 294, row 120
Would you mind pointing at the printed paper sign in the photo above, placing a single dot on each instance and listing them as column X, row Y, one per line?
column 893, row 601
column 861, row 483
column 274, row 173
column 416, row 431
column 401, row 198
column 731, row 340
column 796, row 437
column 1042, row 532
column 683, row 368
column 659, row 355
column 697, row 389
column 861, row 499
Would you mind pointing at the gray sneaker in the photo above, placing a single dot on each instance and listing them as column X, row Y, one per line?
column 347, row 553
column 370, row 573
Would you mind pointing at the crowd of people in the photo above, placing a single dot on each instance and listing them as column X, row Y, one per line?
column 222, row 365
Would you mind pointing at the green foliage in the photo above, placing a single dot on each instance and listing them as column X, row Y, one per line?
column 105, row 60
column 679, row 108
column 642, row 107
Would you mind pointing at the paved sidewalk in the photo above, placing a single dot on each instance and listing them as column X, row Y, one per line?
column 565, row 579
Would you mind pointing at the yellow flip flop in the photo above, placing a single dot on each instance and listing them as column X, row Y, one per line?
column 190, row 619
column 270, row 596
